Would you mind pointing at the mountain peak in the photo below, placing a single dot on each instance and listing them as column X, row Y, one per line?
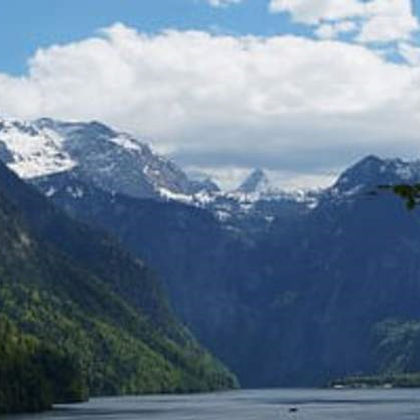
column 372, row 171
column 256, row 181
column 112, row 160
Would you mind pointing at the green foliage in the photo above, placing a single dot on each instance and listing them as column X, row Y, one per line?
column 33, row 376
column 410, row 193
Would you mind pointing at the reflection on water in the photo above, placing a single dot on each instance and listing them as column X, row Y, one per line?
column 247, row 405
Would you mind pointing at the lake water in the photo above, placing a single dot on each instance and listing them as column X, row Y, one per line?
column 248, row 405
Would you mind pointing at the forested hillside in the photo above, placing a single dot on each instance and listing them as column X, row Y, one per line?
column 95, row 308
column 34, row 375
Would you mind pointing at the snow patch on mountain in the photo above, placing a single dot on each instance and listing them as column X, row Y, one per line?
column 170, row 195
column 127, row 142
column 33, row 151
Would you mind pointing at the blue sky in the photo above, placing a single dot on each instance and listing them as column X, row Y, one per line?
column 26, row 25
column 319, row 85
column 46, row 22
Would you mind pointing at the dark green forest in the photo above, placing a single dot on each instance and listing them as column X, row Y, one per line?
column 33, row 376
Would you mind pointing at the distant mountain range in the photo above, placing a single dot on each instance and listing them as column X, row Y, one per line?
column 287, row 288
column 117, row 162
column 91, row 152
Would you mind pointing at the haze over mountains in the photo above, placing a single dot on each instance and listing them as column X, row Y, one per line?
column 286, row 288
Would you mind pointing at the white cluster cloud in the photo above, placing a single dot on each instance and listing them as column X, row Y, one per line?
column 379, row 20
column 388, row 20
column 314, row 12
column 284, row 102
column 410, row 53
column 223, row 3
column 332, row 30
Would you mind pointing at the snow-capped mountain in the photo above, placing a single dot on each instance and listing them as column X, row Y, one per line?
column 257, row 188
column 369, row 174
column 373, row 170
column 75, row 161
column 92, row 152
column 256, row 182
column 118, row 162
column 58, row 155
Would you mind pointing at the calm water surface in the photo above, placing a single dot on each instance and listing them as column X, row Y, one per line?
column 247, row 405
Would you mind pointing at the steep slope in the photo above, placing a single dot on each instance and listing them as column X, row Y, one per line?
column 209, row 267
column 183, row 247
column 306, row 292
column 197, row 257
column 95, row 302
column 92, row 249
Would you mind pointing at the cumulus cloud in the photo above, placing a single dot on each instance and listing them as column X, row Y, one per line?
column 313, row 12
column 388, row 20
column 333, row 30
column 379, row 20
column 287, row 103
column 223, row 3
column 410, row 53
